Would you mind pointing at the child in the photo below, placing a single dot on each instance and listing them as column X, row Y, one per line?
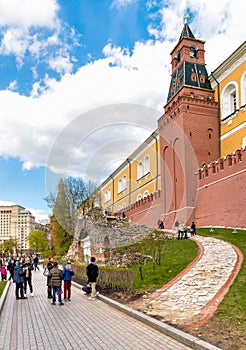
column 67, row 274
column 3, row 273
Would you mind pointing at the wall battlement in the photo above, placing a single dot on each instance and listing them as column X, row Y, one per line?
column 222, row 167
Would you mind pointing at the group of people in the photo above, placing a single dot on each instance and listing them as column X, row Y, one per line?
column 182, row 230
column 20, row 271
column 21, row 268
column 55, row 276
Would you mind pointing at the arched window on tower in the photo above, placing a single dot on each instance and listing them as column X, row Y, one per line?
column 177, row 55
column 229, row 99
column 193, row 51
column 210, row 134
column 146, row 165
column 243, row 89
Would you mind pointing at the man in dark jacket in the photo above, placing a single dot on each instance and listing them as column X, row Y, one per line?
column 56, row 282
column 92, row 272
column 19, row 281
column 48, row 268
column 10, row 268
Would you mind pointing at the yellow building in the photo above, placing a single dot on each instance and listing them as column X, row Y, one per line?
column 136, row 178
column 229, row 83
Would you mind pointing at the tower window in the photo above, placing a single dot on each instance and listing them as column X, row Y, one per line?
column 177, row 56
column 193, row 76
column 202, row 78
column 193, row 52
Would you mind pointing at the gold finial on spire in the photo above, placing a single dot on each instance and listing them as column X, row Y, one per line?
column 186, row 17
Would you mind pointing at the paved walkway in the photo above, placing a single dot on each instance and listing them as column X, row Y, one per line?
column 190, row 299
column 193, row 296
column 80, row 324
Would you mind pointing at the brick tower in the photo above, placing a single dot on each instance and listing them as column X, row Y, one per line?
column 189, row 128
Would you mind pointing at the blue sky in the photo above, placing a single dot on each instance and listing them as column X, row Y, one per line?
column 82, row 78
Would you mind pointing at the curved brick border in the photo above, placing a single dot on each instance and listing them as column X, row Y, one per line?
column 208, row 310
column 156, row 294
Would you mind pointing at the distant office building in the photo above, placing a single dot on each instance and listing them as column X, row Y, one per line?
column 16, row 222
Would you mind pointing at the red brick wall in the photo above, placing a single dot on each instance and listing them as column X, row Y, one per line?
column 221, row 197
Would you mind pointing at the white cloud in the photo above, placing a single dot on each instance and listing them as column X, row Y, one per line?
column 61, row 64
column 12, row 85
column 121, row 3
column 28, row 13
column 31, row 28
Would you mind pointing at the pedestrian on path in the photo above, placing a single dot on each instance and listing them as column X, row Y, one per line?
column 3, row 273
column 92, row 272
column 193, row 228
column 10, row 268
column 28, row 267
column 181, row 230
column 19, row 281
column 67, row 274
column 56, row 282
column 47, row 270
column 35, row 263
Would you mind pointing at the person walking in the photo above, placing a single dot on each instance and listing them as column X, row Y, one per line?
column 19, row 281
column 67, row 274
column 10, row 268
column 48, row 268
column 56, row 282
column 28, row 267
column 92, row 272
column 35, row 263
column 193, row 228
column 3, row 273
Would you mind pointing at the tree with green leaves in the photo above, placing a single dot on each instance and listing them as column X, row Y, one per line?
column 38, row 241
column 9, row 247
column 73, row 194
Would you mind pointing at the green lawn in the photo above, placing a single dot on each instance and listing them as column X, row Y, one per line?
column 232, row 310
column 2, row 285
column 177, row 255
